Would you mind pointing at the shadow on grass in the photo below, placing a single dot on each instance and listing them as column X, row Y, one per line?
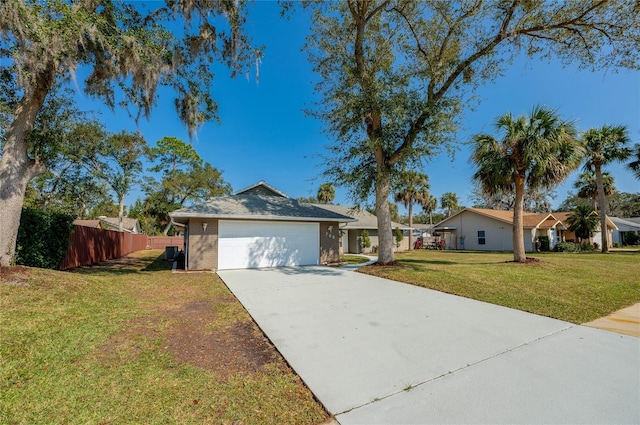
column 159, row 264
column 127, row 265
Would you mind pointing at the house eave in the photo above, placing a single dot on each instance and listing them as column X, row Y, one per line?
column 184, row 217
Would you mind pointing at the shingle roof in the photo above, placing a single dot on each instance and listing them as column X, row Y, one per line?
column 87, row 223
column 261, row 188
column 625, row 222
column 363, row 218
column 259, row 207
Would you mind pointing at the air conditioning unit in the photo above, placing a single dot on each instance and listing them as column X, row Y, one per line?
column 170, row 252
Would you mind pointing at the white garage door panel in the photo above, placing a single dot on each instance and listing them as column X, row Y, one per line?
column 255, row 244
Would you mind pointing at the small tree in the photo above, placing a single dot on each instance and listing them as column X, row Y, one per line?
column 365, row 240
column 326, row 193
column 118, row 162
column 588, row 188
column 412, row 188
column 399, row 237
column 429, row 207
column 449, row 202
column 583, row 221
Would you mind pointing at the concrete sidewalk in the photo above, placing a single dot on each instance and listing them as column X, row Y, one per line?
column 625, row 321
column 377, row 351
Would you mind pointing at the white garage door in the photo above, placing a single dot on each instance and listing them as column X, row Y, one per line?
column 255, row 244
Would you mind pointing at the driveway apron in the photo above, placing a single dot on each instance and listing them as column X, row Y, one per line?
column 377, row 351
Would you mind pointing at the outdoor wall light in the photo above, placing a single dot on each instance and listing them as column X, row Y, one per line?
column 330, row 228
column 204, row 226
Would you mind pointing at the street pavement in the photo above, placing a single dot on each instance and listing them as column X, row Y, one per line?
column 374, row 351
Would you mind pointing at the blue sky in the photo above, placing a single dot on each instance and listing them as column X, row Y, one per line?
column 264, row 134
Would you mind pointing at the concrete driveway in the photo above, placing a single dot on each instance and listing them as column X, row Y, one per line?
column 377, row 351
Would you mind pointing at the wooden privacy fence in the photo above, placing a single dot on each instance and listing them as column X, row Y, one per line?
column 160, row 242
column 91, row 246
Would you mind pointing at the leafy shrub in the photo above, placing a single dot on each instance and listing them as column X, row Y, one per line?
column 43, row 238
column 567, row 247
column 399, row 236
column 544, row 243
column 632, row 239
column 587, row 247
column 616, row 245
column 365, row 239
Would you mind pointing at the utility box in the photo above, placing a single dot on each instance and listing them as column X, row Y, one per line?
column 170, row 252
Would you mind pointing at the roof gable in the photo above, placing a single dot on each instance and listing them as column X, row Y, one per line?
column 563, row 215
column 529, row 219
column 261, row 188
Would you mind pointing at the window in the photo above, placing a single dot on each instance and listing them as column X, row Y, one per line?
column 481, row 238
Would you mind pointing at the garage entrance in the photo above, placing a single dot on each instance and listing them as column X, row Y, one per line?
column 256, row 244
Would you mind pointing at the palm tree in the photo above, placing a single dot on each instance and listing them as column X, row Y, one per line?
column 537, row 151
column 634, row 165
column 583, row 221
column 326, row 193
column 413, row 188
column 603, row 146
column 429, row 207
column 449, row 202
column 588, row 189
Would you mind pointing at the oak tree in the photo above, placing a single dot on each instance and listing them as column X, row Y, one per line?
column 127, row 49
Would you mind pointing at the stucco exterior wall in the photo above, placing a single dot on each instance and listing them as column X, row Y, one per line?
column 202, row 253
column 329, row 242
column 498, row 236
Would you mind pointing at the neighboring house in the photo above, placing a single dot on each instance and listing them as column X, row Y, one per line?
column 626, row 227
column 258, row 226
column 130, row 225
column 351, row 240
column 492, row 230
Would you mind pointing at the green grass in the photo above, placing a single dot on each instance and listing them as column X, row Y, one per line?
column 353, row 259
column 92, row 347
column 574, row 287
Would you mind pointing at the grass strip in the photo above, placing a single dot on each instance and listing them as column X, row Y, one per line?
column 576, row 288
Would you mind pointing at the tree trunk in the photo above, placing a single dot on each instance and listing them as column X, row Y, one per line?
column 519, row 254
column 385, row 235
column 121, row 214
column 602, row 206
column 410, row 223
column 16, row 168
column 167, row 228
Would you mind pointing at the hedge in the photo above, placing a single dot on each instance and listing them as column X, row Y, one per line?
column 43, row 238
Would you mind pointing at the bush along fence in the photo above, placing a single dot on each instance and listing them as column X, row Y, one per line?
column 43, row 238
column 91, row 246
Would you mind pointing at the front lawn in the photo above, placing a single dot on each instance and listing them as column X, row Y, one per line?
column 133, row 343
column 353, row 259
column 574, row 287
